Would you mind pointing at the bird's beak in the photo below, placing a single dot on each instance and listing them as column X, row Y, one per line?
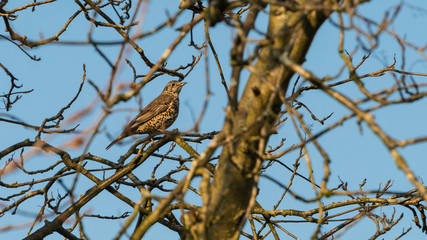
column 183, row 83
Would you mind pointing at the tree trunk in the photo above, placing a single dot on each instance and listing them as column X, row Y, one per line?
column 247, row 130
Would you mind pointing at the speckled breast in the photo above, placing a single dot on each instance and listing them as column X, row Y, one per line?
column 171, row 114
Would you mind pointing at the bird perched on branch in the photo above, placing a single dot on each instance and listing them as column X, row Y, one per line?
column 157, row 116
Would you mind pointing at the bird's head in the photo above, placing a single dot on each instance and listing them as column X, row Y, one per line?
column 174, row 86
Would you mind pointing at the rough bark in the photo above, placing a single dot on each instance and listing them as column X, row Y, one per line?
column 247, row 130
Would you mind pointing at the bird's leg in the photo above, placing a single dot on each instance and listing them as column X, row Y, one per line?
column 151, row 136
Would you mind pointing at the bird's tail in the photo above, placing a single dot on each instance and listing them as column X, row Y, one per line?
column 114, row 142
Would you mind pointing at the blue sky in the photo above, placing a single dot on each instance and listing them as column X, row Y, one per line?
column 355, row 155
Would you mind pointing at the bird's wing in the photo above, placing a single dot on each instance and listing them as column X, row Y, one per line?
column 157, row 106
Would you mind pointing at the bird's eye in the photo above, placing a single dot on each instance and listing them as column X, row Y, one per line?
column 173, row 84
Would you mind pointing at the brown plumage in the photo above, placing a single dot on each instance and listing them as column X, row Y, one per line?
column 157, row 115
